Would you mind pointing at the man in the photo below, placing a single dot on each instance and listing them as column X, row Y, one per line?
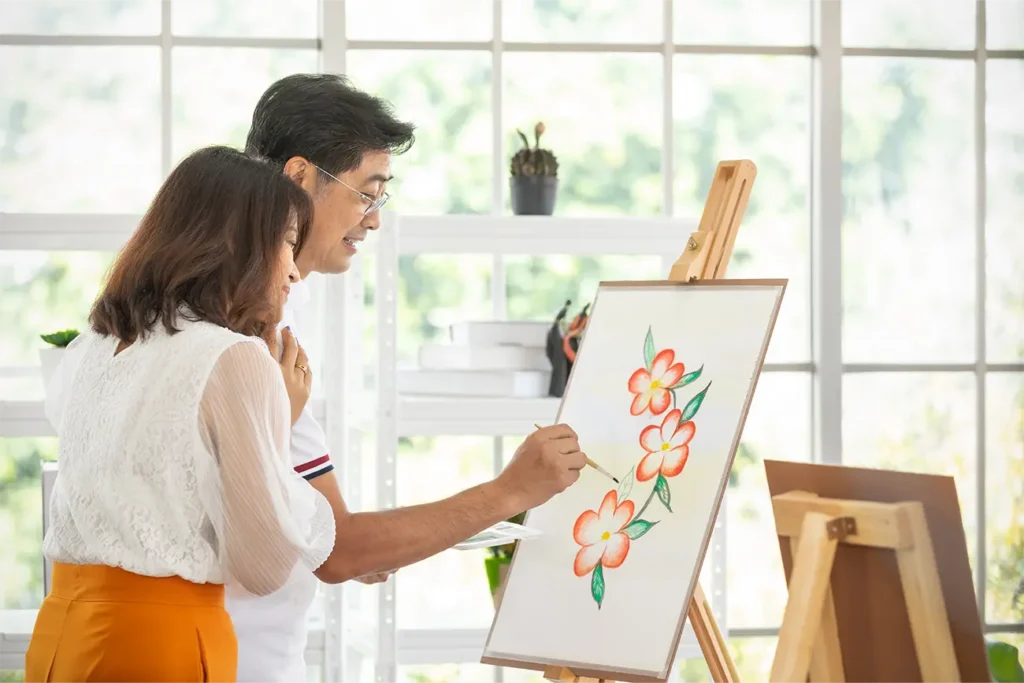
column 337, row 142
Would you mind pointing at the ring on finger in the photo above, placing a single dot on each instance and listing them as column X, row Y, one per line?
column 302, row 367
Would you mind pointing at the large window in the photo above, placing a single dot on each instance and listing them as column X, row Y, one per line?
column 894, row 158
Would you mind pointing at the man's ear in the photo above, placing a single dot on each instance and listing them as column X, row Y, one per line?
column 301, row 171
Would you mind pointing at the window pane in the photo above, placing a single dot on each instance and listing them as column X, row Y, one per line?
column 447, row 95
column 915, row 422
column 74, row 17
column 778, row 427
column 742, row 22
column 1004, row 494
column 1004, row 25
column 446, row 673
column 438, row 20
column 1004, row 250
column 232, row 77
column 42, row 292
column 81, row 128
column 602, row 113
column 448, row 590
column 908, row 141
column 722, row 106
column 752, row 656
column 909, row 24
column 252, row 18
column 538, row 286
column 436, row 291
column 21, row 520
column 581, row 21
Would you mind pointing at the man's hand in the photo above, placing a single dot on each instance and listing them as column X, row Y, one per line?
column 375, row 578
column 545, row 464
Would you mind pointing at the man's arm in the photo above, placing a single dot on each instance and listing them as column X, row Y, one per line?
column 377, row 542
column 546, row 463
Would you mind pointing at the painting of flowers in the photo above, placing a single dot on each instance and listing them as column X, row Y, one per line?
column 658, row 396
column 604, row 534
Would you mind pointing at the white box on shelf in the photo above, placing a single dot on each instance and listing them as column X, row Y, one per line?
column 500, row 333
column 459, row 357
column 491, row 383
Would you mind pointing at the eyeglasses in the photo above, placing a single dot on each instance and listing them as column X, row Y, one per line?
column 373, row 203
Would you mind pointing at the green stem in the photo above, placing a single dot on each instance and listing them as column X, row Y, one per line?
column 649, row 499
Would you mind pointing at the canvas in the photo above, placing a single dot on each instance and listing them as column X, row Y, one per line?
column 658, row 396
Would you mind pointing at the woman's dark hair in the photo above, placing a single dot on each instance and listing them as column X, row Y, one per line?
column 206, row 249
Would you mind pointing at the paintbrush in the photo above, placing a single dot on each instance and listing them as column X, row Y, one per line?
column 591, row 463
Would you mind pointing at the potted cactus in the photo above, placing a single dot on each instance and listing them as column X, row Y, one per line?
column 51, row 356
column 534, row 181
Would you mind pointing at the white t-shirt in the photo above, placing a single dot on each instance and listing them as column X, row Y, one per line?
column 271, row 630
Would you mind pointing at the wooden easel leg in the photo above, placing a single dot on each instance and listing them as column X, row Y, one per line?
column 929, row 621
column 809, row 582
column 559, row 674
column 710, row 638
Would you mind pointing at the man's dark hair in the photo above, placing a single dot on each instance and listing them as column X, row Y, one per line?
column 211, row 243
column 326, row 120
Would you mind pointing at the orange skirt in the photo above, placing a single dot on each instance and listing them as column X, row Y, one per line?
column 101, row 623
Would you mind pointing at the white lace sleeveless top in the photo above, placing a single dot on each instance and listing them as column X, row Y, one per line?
column 173, row 459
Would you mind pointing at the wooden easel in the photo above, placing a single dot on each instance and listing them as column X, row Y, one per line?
column 809, row 637
column 705, row 257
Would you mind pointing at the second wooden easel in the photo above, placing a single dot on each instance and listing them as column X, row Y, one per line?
column 809, row 637
column 705, row 257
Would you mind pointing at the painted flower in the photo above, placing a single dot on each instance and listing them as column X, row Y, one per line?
column 651, row 388
column 667, row 447
column 601, row 535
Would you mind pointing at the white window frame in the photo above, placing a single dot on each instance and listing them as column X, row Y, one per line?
column 341, row 647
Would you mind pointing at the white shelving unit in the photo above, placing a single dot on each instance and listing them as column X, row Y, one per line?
column 355, row 631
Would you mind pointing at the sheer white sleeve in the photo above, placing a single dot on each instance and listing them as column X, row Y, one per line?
column 266, row 518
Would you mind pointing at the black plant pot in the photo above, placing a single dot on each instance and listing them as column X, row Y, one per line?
column 533, row 195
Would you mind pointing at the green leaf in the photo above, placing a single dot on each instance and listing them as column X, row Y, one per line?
column 1004, row 661
column 61, row 338
column 691, row 408
column 688, row 378
column 597, row 585
column 625, row 486
column 638, row 528
column 664, row 495
column 649, row 350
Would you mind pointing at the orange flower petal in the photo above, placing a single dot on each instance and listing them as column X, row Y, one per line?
column 662, row 362
column 640, row 381
column 649, row 466
column 622, row 515
column 607, row 510
column 660, row 401
column 672, row 375
column 650, row 439
column 674, row 460
column 640, row 403
column 587, row 529
column 588, row 557
column 670, row 424
column 615, row 551
column 683, row 434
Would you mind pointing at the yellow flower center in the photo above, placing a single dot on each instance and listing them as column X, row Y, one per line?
column 606, row 535
column 665, row 446
column 655, row 384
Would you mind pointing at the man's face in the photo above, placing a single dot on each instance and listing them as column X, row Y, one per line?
column 340, row 221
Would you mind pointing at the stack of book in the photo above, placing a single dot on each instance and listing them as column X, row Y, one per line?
column 496, row 359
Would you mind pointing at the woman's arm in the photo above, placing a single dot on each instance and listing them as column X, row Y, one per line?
column 267, row 518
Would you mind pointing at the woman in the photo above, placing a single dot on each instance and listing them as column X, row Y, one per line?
column 174, row 435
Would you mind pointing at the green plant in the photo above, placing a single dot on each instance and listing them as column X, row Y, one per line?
column 534, row 161
column 60, row 339
column 1004, row 662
